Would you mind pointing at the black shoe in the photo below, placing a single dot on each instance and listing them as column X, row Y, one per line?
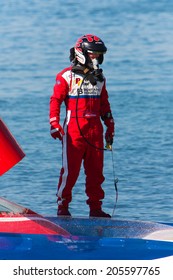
column 63, row 211
column 99, row 213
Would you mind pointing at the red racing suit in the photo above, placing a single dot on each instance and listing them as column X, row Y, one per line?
column 83, row 140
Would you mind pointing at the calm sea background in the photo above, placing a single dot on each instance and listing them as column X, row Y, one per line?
column 35, row 40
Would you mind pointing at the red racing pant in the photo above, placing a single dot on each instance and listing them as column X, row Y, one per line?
column 84, row 144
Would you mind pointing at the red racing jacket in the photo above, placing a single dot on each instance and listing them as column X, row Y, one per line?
column 79, row 95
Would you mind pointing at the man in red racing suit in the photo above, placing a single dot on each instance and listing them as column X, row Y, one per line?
column 86, row 99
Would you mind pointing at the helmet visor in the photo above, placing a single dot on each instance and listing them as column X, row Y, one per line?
column 96, row 52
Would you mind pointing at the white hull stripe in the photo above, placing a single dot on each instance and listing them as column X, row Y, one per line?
column 22, row 219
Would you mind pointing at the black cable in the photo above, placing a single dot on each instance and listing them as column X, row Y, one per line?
column 115, row 183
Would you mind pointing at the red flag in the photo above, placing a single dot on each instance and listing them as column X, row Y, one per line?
column 10, row 151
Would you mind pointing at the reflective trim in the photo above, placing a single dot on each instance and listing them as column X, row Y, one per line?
column 65, row 166
column 68, row 116
column 53, row 119
column 54, row 130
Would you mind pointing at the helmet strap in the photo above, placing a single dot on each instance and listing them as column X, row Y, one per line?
column 81, row 69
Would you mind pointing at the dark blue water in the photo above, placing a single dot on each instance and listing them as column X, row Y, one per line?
column 35, row 40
